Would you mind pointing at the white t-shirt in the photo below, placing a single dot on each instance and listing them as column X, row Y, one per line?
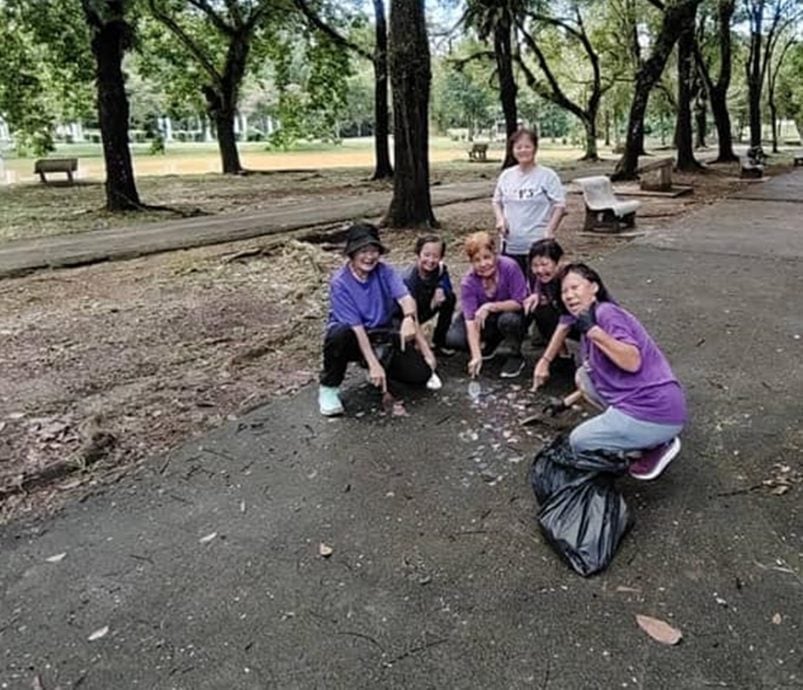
column 528, row 200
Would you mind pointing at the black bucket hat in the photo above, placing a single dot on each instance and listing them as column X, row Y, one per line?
column 362, row 235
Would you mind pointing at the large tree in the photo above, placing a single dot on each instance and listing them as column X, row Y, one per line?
column 495, row 21
column 718, row 89
column 379, row 61
column 684, row 135
column 767, row 19
column 111, row 37
column 222, row 55
column 573, row 29
column 410, row 77
column 675, row 16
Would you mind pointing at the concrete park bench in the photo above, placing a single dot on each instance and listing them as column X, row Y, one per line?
column 478, row 152
column 797, row 158
column 656, row 176
column 53, row 165
column 603, row 209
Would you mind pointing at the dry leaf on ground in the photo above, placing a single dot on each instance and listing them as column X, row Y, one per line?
column 659, row 630
column 101, row 632
column 325, row 550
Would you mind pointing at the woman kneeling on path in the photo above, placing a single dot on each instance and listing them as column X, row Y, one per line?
column 623, row 372
column 365, row 325
column 491, row 322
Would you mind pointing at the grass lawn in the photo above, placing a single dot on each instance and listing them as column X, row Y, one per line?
column 187, row 178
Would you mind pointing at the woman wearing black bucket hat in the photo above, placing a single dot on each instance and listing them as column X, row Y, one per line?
column 372, row 320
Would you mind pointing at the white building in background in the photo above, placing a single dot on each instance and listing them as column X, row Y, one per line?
column 5, row 133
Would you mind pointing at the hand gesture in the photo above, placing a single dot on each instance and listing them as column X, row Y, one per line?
column 376, row 374
column 480, row 315
column 530, row 303
column 437, row 299
column 540, row 374
column 586, row 320
column 502, row 227
column 474, row 366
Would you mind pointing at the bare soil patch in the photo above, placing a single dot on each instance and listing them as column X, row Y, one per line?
column 106, row 365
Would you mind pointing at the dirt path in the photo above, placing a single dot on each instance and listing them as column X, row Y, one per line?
column 108, row 364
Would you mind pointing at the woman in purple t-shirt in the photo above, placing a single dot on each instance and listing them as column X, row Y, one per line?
column 491, row 294
column 623, row 372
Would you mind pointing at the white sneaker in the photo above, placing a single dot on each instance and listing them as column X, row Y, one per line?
column 434, row 383
column 329, row 401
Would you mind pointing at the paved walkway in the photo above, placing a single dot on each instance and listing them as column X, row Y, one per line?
column 23, row 256
column 206, row 570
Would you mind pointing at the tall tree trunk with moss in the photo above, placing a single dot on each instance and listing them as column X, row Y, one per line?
column 384, row 169
column 674, row 20
column 111, row 37
column 508, row 90
column 684, row 136
column 410, row 77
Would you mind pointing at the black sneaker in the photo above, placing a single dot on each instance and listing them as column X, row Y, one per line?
column 445, row 351
column 512, row 367
column 488, row 352
column 507, row 348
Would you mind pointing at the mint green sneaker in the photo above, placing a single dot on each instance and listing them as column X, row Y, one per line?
column 329, row 401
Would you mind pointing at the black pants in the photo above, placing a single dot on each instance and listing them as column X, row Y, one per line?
column 521, row 260
column 340, row 347
column 445, row 311
column 509, row 324
column 546, row 319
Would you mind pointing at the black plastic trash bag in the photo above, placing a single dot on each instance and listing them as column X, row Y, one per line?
column 582, row 514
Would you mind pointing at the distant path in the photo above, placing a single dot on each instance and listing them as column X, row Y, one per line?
column 24, row 256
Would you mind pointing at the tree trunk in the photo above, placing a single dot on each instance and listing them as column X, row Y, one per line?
column 674, row 20
column 110, row 39
column 221, row 101
column 683, row 124
column 384, row 169
column 607, row 127
column 508, row 89
column 591, row 153
column 410, row 76
column 755, row 75
column 700, row 120
column 774, row 123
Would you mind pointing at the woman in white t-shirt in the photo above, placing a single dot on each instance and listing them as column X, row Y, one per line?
column 529, row 201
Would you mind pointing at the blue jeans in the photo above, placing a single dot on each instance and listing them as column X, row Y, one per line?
column 613, row 429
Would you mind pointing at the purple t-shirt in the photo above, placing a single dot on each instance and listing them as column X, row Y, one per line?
column 651, row 394
column 371, row 303
column 510, row 284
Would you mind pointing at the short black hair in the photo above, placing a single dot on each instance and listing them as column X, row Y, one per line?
column 426, row 239
column 546, row 247
column 589, row 274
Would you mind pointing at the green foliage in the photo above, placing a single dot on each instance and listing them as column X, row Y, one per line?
column 463, row 98
column 46, row 69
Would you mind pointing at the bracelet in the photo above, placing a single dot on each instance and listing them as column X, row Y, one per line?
column 546, row 359
column 409, row 316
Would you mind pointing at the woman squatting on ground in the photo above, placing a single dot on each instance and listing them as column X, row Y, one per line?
column 529, row 201
column 623, row 372
column 491, row 322
column 372, row 320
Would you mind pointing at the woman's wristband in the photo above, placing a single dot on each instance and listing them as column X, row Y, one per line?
column 546, row 359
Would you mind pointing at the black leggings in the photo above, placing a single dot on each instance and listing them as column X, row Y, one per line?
column 340, row 347
column 509, row 324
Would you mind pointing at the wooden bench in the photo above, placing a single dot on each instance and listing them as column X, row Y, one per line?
column 656, row 176
column 797, row 158
column 603, row 209
column 478, row 152
column 53, row 165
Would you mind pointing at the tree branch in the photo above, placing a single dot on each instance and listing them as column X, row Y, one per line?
column 316, row 22
column 214, row 17
column 189, row 44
